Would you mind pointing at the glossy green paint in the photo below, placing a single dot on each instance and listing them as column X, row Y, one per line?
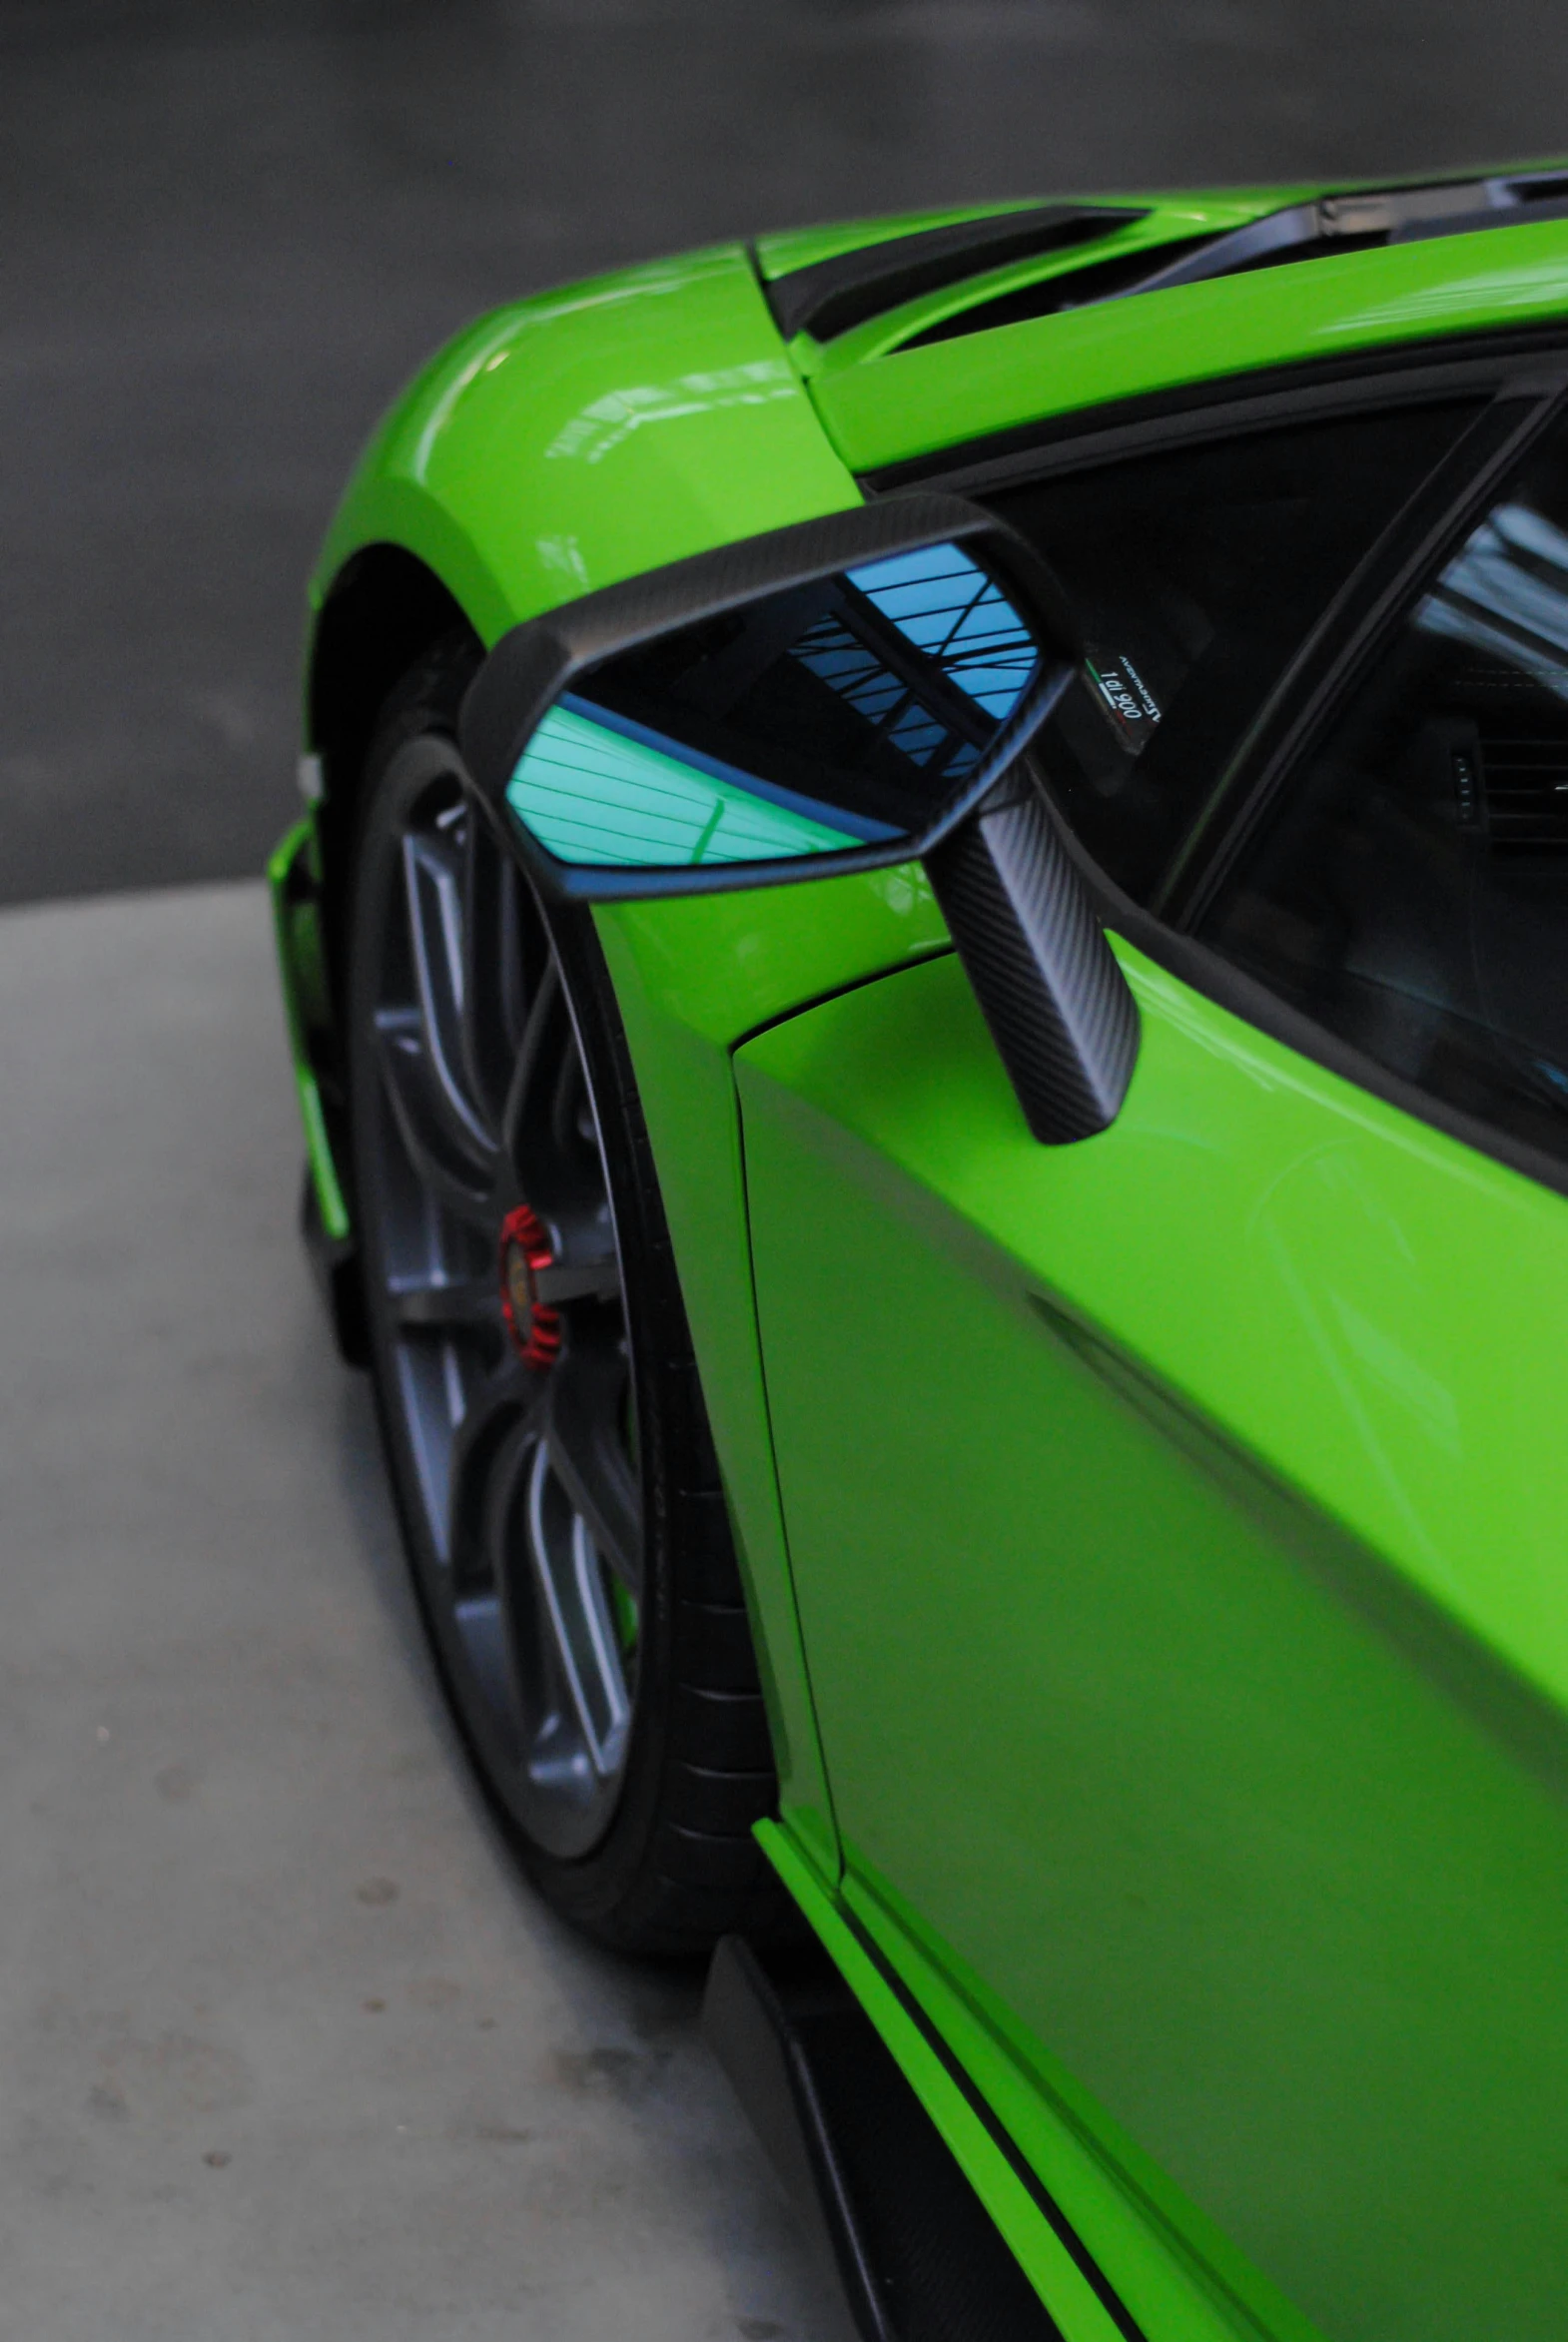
column 302, row 968
column 1191, row 1653
column 916, row 400
column 566, row 441
column 583, row 435
column 691, row 978
column 1051, row 2269
column 1375, row 2068
column 1177, row 2276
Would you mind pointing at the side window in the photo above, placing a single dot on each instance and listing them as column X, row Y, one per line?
column 1196, row 574
column 1410, row 887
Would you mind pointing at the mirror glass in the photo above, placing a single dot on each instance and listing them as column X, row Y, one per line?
column 842, row 713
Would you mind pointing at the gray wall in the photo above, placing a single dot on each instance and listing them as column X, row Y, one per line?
column 230, row 231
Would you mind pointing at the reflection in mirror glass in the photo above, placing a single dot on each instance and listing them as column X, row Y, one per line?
column 841, row 713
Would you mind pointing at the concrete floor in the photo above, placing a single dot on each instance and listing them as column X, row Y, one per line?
column 285, row 2050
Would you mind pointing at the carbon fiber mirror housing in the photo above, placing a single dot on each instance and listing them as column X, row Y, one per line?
column 1060, row 1010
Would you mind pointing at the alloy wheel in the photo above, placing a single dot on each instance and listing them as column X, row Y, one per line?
column 495, row 1277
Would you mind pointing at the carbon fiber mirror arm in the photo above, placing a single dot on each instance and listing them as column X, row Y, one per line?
column 1060, row 1010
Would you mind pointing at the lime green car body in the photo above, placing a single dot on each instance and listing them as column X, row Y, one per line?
column 1157, row 1547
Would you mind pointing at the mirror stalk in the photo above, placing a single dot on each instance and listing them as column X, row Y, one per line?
column 1060, row 1010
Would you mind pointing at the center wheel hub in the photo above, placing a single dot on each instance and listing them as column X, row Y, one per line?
column 534, row 1326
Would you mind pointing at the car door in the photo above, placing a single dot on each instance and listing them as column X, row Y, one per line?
column 1180, row 1519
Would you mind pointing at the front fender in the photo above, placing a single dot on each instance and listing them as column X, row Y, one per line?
column 582, row 436
column 560, row 444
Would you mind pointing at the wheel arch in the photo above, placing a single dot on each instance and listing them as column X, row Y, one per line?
column 382, row 610
column 385, row 608
column 571, row 440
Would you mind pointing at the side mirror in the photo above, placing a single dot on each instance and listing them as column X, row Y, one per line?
column 834, row 697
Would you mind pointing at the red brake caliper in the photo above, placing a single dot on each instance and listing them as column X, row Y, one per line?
column 525, row 1250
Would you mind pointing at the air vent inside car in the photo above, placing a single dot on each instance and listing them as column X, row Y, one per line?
column 831, row 296
column 1333, row 225
column 1522, row 801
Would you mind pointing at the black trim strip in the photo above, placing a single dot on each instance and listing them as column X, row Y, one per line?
column 1434, row 368
column 747, row 2027
column 1517, row 215
column 829, row 296
column 915, row 2250
column 1001, row 2137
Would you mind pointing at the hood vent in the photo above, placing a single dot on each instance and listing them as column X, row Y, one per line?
column 832, row 296
column 1333, row 225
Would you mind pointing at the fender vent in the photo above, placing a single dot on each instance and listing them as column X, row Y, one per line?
column 1326, row 230
column 831, row 296
column 1127, row 271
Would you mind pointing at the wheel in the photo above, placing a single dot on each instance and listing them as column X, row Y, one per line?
column 535, row 1385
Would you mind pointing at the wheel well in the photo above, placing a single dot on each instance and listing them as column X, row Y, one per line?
column 383, row 611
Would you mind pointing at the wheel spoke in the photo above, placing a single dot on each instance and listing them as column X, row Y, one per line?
column 495, row 1419
column 547, row 1008
column 497, row 1285
column 492, row 975
column 596, row 1279
column 481, row 1620
column 447, row 1305
column 572, row 1114
column 439, row 1145
column 582, row 1431
column 584, row 1652
column 434, row 906
column 484, row 1608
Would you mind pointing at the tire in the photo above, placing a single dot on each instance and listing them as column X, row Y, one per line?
column 537, row 1394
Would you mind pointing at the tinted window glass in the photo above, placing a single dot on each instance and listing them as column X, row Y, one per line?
column 1196, row 574
column 1410, row 890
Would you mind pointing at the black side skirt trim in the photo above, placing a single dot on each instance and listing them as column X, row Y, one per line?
column 916, row 2255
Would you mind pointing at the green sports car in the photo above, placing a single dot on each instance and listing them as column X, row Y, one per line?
column 929, row 980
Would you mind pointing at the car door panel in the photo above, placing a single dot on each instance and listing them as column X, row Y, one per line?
column 1187, row 1644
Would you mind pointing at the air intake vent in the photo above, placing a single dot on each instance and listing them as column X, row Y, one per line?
column 1127, row 271
column 832, row 296
column 1525, row 793
column 1328, row 229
